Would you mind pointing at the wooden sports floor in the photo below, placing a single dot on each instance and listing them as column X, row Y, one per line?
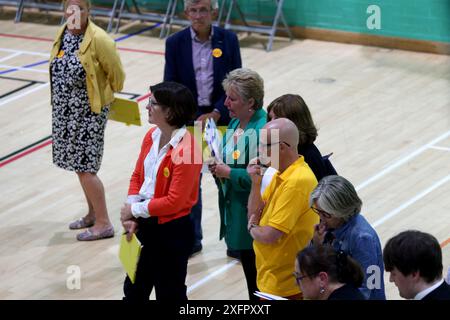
column 385, row 114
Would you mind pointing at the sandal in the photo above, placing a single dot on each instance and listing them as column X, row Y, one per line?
column 88, row 235
column 81, row 223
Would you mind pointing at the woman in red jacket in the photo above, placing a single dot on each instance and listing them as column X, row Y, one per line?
column 163, row 188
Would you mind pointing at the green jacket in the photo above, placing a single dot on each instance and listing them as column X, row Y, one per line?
column 234, row 192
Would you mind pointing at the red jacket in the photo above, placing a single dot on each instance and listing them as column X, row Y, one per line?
column 177, row 180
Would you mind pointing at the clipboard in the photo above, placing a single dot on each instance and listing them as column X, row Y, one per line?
column 129, row 254
column 268, row 296
column 126, row 111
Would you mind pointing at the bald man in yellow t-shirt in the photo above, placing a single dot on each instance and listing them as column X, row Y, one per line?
column 286, row 224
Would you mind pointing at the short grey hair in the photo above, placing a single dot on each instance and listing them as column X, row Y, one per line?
column 248, row 85
column 188, row 3
column 336, row 196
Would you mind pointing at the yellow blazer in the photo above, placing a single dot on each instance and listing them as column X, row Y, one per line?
column 101, row 62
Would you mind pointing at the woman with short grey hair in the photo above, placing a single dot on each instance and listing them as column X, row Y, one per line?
column 338, row 197
column 338, row 205
column 244, row 90
column 248, row 84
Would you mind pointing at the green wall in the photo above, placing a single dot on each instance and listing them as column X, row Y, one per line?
column 414, row 19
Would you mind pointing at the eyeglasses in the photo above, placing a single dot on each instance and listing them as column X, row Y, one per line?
column 321, row 212
column 152, row 103
column 202, row 12
column 267, row 145
column 299, row 278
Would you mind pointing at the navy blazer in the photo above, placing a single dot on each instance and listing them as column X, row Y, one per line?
column 440, row 293
column 180, row 68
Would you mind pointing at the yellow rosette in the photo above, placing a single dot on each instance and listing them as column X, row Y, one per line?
column 217, row 53
column 166, row 172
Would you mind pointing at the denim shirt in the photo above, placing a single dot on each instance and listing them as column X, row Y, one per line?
column 359, row 240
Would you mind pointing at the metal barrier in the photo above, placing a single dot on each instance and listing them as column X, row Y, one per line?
column 139, row 15
column 168, row 19
column 59, row 7
column 11, row 3
column 270, row 30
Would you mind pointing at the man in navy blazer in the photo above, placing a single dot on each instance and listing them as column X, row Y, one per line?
column 200, row 57
column 414, row 260
column 224, row 53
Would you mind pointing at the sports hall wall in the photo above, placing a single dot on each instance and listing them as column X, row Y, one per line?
column 422, row 25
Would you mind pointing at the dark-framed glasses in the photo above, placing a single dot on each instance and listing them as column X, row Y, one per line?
column 152, row 103
column 267, row 145
column 321, row 212
column 299, row 278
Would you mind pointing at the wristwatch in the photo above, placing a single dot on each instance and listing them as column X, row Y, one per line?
column 253, row 225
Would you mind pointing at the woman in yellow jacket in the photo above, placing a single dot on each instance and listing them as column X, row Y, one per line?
column 85, row 71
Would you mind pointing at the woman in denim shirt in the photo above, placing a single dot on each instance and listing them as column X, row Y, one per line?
column 336, row 202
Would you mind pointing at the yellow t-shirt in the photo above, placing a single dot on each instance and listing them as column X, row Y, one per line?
column 287, row 209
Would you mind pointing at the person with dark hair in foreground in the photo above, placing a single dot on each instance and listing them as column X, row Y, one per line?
column 414, row 261
column 163, row 189
column 325, row 274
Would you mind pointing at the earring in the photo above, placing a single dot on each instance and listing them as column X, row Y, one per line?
column 322, row 290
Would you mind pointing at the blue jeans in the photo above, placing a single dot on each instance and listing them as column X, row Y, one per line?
column 196, row 217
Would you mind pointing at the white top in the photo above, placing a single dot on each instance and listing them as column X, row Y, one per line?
column 448, row 276
column 423, row 293
column 139, row 203
column 267, row 177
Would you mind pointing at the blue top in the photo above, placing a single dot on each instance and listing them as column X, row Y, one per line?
column 358, row 239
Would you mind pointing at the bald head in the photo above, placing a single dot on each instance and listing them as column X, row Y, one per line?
column 287, row 131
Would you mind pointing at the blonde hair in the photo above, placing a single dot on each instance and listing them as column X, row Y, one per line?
column 248, row 84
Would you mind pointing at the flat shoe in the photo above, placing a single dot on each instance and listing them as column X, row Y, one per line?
column 88, row 235
column 81, row 223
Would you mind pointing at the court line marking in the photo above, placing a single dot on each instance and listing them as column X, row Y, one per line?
column 10, row 35
column 119, row 48
column 29, row 84
column 141, row 51
column 12, row 69
column 10, row 56
column 124, row 37
column 40, row 146
column 24, row 68
column 31, row 53
column 403, row 160
column 24, row 94
column 24, row 148
column 42, row 143
column 202, row 281
column 411, row 201
column 446, row 242
column 20, row 79
column 440, row 148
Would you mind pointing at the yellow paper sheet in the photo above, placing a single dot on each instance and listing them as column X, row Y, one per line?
column 129, row 253
column 126, row 111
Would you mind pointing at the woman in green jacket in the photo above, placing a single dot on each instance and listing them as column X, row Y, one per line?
column 85, row 71
column 245, row 92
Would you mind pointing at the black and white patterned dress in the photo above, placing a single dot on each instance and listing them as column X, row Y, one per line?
column 78, row 133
